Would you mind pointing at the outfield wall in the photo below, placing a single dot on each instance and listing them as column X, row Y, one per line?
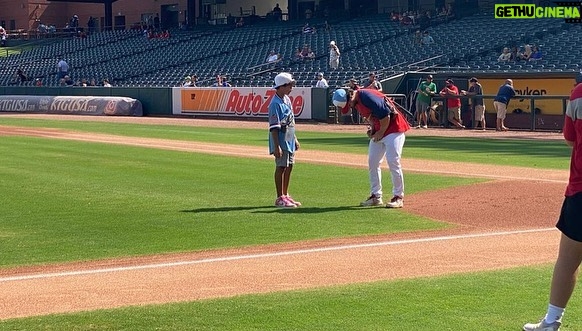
column 308, row 103
column 544, row 93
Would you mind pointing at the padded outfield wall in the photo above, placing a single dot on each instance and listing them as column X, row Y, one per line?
column 545, row 93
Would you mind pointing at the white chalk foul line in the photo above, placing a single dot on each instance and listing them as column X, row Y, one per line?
column 266, row 255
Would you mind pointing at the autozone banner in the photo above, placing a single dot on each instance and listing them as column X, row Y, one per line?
column 236, row 101
column 81, row 105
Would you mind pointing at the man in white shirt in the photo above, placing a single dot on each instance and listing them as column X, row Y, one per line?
column 334, row 55
column 3, row 36
column 273, row 57
column 321, row 82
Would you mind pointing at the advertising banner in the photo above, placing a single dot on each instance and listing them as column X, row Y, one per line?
column 236, row 101
column 550, row 86
column 80, row 105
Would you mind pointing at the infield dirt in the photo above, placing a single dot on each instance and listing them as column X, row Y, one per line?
column 503, row 223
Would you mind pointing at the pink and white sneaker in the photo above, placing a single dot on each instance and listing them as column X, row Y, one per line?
column 283, row 202
column 297, row 203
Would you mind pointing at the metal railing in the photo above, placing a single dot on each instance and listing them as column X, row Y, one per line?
column 532, row 107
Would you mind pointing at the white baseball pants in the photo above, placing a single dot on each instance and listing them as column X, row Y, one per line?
column 390, row 147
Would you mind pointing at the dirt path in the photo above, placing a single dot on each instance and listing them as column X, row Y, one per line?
column 500, row 224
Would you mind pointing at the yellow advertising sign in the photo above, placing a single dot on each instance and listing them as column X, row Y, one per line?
column 550, row 86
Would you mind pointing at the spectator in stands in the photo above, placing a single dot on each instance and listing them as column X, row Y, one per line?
column 443, row 12
column 501, row 101
column 157, row 21
column 166, row 34
column 418, row 38
column 74, row 23
column 21, row 76
column 194, row 80
column 92, row 82
column 3, row 36
column 62, row 68
column 373, row 83
column 505, row 55
column 515, row 54
column 91, row 24
column 308, row 29
column 334, row 55
column 526, row 53
column 68, row 81
column 307, row 53
column 187, row 82
column 106, row 83
column 536, row 54
column 42, row 28
column 277, row 13
column 326, row 26
column 321, row 82
column 240, row 23
column 221, row 82
column 453, row 104
column 427, row 39
column 310, row 55
column 38, row 82
column 298, row 56
column 450, row 11
column 273, row 57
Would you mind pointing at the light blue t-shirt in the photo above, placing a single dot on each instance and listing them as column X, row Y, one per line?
column 281, row 117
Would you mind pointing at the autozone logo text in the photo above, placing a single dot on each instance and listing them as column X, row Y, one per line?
column 257, row 104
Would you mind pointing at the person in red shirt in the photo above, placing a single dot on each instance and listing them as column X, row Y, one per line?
column 386, row 133
column 570, row 249
column 453, row 104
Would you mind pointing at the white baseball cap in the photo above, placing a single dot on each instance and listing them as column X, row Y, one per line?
column 332, row 42
column 283, row 78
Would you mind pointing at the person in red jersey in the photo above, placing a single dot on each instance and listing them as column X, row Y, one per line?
column 570, row 249
column 386, row 133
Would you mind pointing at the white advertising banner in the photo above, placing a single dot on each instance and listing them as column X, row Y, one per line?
column 236, row 101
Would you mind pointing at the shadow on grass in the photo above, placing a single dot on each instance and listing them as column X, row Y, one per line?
column 273, row 209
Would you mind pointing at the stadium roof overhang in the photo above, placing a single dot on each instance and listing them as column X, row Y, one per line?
column 86, row 1
column 108, row 9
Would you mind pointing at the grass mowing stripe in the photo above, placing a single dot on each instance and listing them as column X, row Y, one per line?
column 529, row 153
column 500, row 300
column 80, row 201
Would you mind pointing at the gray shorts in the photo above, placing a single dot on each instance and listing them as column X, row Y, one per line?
column 422, row 107
column 570, row 222
column 285, row 160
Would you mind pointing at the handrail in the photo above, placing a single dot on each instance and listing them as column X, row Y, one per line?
column 425, row 60
column 265, row 64
column 532, row 99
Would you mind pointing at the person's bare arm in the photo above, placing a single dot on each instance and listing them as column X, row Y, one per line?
column 275, row 135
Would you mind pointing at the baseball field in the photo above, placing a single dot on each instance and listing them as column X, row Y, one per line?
column 114, row 223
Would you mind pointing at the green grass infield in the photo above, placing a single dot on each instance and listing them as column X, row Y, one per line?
column 69, row 201
column 511, row 152
column 497, row 300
